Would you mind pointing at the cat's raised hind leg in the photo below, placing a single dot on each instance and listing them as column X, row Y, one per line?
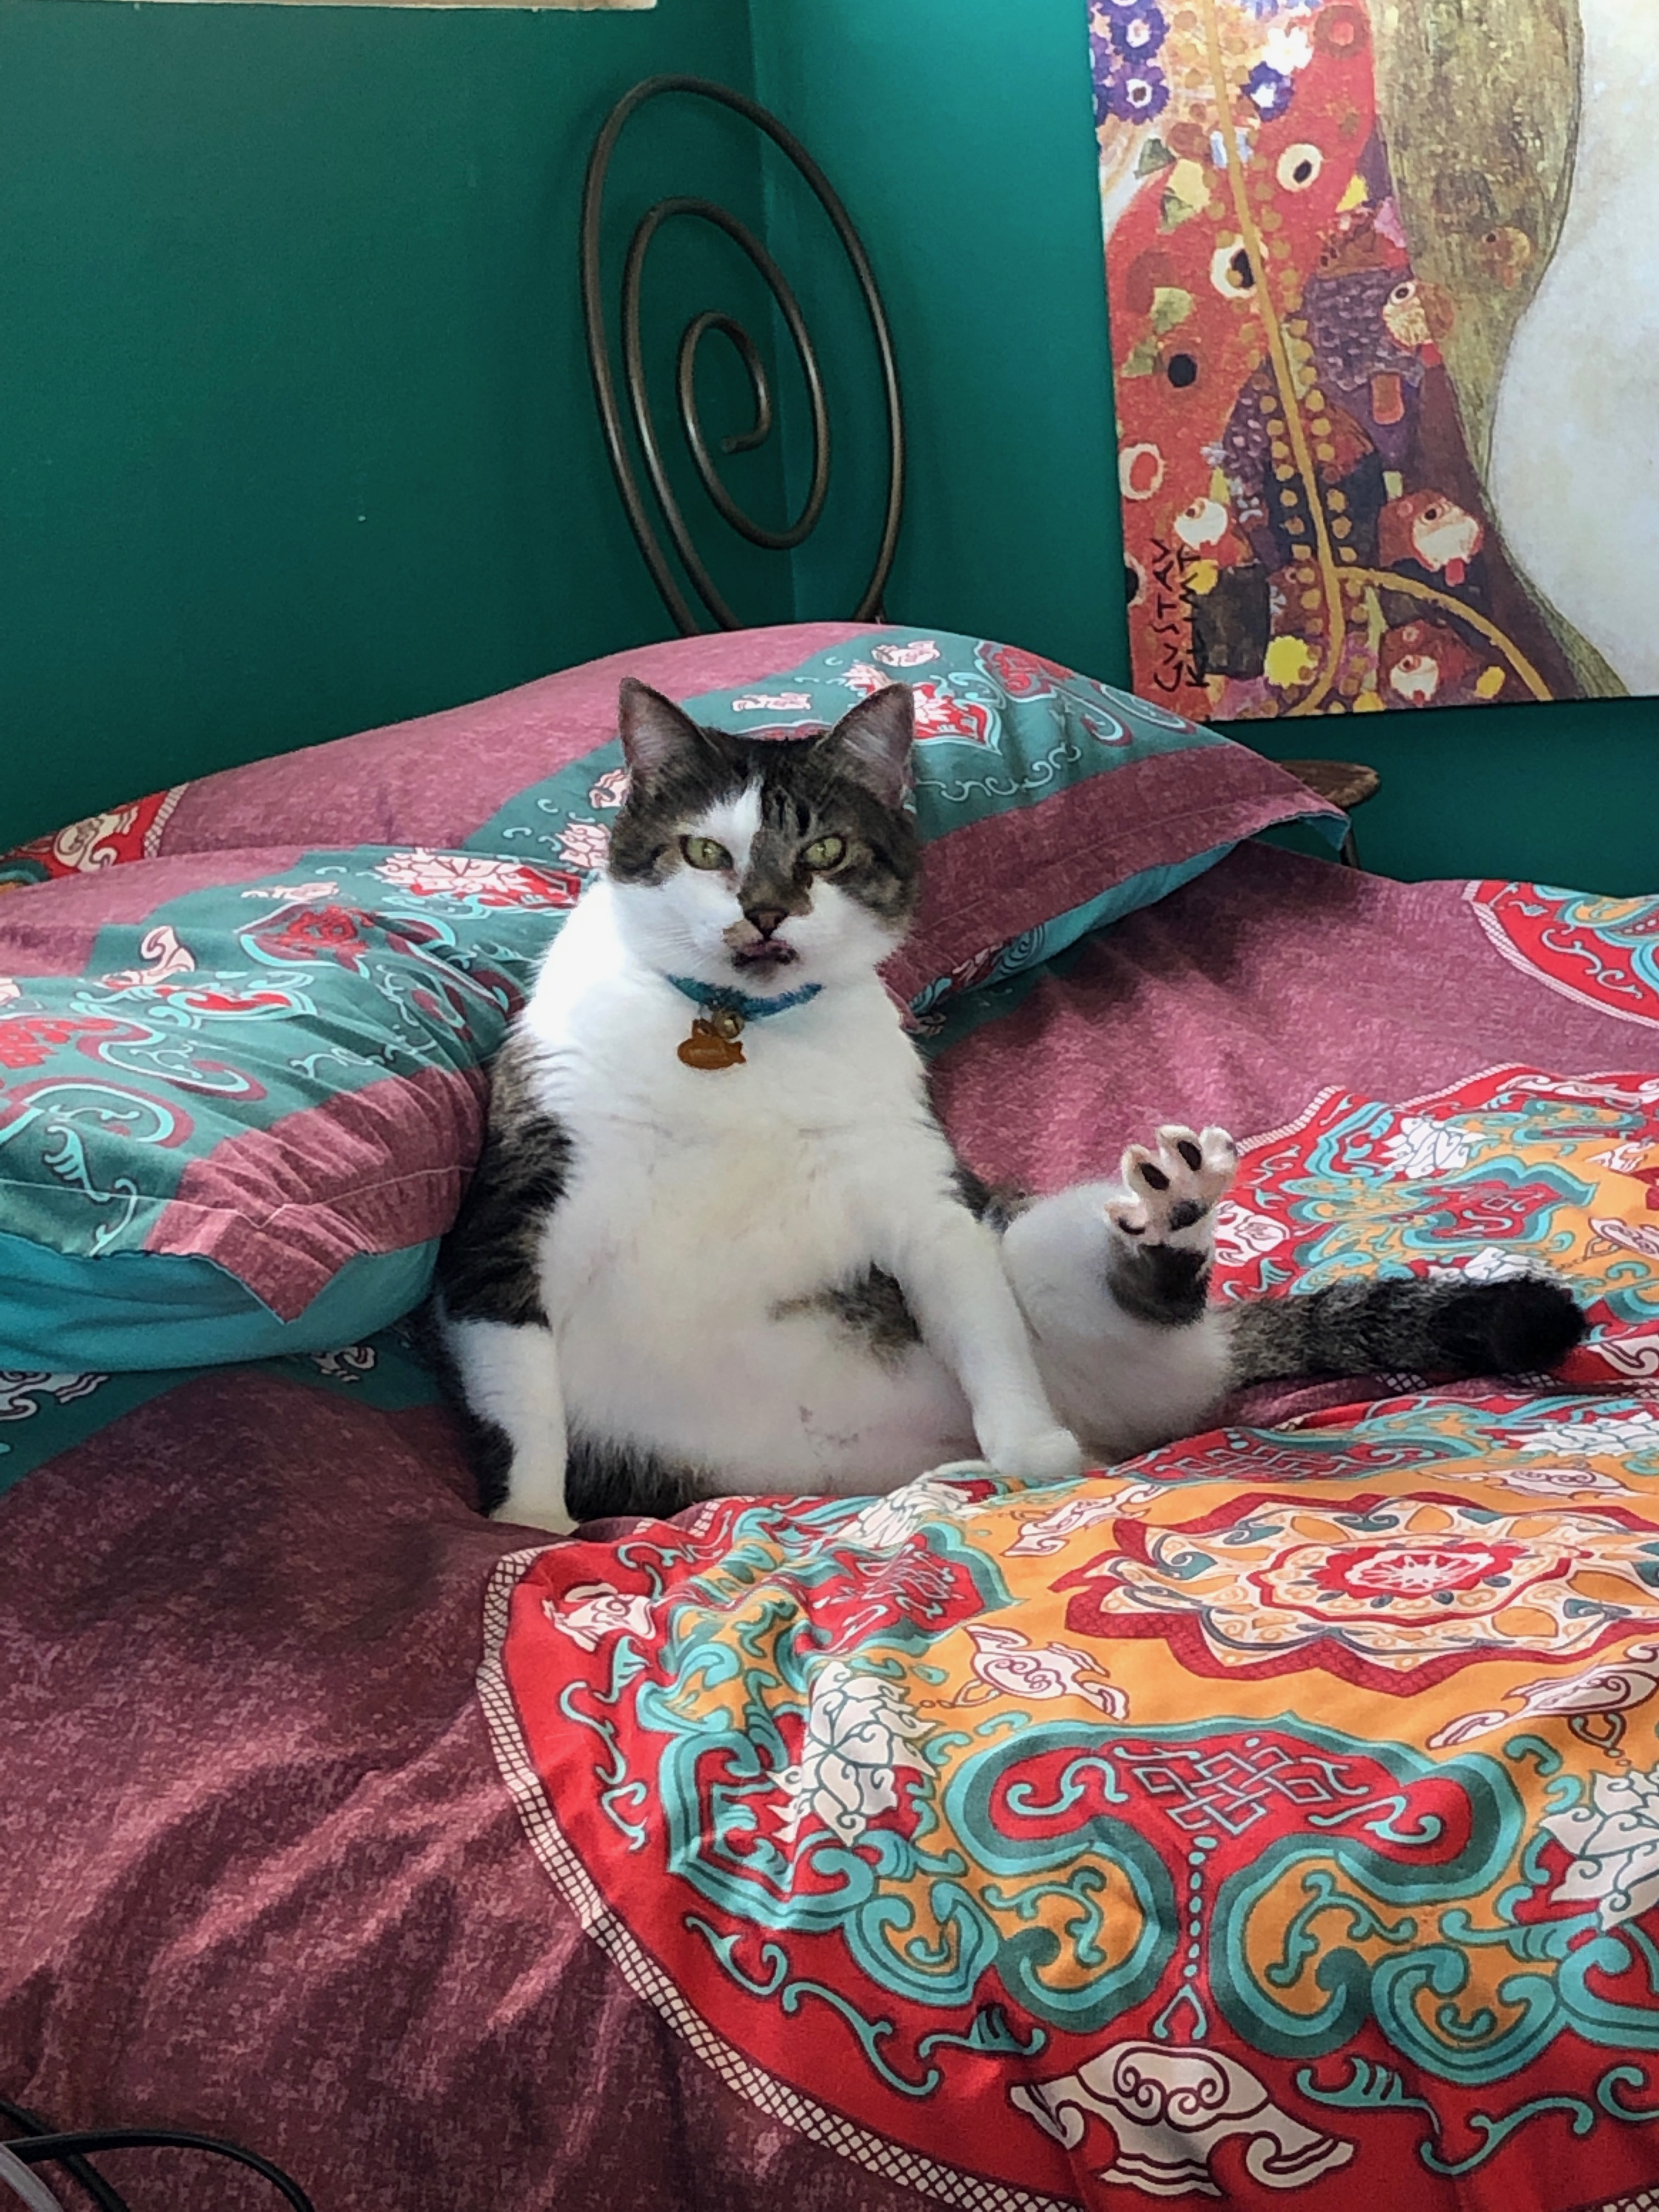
column 1159, row 1265
column 1113, row 1279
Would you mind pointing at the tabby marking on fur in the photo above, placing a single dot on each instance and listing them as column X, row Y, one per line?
column 667, row 1283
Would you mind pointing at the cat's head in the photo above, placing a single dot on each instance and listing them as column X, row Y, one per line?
column 768, row 864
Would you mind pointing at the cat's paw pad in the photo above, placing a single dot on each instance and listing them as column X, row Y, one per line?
column 1052, row 1455
column 1174, row 1184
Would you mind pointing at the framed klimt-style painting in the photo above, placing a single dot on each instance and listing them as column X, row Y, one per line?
column 1382, row 278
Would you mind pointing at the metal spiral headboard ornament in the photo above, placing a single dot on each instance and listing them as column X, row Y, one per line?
column 605, row 383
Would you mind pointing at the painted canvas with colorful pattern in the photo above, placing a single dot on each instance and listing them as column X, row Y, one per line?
column 1378, row 278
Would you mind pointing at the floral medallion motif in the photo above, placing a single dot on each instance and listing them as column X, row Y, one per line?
column 1388, row 1593
column 1511, row 1169
column 1142, row 1837
column 488, row 883
column 1604, row 952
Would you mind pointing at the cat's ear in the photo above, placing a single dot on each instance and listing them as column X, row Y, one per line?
column 654, row 732
column 873, row 743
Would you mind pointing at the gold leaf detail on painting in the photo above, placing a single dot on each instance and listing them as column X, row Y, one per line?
column 1287, row 663
column 1190, row 184
column 1173, row 211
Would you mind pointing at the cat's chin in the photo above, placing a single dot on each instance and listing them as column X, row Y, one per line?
column 764, row 962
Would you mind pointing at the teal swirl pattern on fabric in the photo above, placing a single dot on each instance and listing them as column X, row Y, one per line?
column 241, row 1129
column 1602, row 951
column 1279, row 1779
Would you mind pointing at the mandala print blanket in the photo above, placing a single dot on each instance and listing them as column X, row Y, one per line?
column 1275, row 1813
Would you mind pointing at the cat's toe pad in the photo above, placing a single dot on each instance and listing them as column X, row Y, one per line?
column 1173, row 1184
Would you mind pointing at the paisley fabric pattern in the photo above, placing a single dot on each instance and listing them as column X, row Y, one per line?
column 1269, row 1818
column 263, row 1081
column 1602, row 951
column 1050, row 803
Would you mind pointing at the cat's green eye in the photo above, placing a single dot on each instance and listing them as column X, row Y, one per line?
column 826, row 852
column 704, row 852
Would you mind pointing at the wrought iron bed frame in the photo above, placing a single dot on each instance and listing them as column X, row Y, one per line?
column 650, row 443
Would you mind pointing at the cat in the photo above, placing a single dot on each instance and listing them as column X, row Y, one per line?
column 718, row 1242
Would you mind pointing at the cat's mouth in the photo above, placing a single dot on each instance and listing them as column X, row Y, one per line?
column 765, row 958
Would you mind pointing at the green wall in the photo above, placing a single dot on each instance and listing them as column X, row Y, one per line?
column 295, row 423
column 962, row 138
column 297, row 430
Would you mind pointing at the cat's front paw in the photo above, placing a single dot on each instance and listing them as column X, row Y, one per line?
column 1173, row 1185
column 1044, row 1455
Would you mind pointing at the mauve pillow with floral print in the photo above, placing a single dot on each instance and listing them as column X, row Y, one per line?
column 244, row 1023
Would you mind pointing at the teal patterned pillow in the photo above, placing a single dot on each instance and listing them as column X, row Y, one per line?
column 240, row 1089
column 1049, row 803
column 242, row 1128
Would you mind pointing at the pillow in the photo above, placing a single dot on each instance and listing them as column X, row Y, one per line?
column 242, row 1052
column 1050, row 804
column 238, row 1108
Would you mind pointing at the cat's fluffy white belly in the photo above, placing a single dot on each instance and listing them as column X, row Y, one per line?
column 673, row 1275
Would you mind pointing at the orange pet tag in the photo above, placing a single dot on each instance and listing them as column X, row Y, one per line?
column 714, row 1043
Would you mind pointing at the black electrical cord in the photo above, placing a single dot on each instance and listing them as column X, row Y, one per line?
column 81, row 2143
column 30, row 2124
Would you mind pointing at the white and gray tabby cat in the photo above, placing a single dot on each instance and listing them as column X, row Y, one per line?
column 718, row 1242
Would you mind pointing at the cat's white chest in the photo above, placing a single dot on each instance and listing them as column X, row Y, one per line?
column 735, row 1189
column 684, row 1258
column 737, row 1211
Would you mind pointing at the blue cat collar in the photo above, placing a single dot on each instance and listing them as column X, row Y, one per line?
column 718, row 999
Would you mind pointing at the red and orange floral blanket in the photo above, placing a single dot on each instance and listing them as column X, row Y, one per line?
column 1273, row 1815
column 1271, row 1821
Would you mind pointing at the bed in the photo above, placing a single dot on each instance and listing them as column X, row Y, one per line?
column 1271, row 1817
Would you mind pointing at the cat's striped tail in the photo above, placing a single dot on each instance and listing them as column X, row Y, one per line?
column 1372, row 1325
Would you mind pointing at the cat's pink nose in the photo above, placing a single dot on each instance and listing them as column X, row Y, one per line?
column 766, row 919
